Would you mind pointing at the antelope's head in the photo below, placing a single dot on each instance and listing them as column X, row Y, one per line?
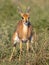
column 25, row 16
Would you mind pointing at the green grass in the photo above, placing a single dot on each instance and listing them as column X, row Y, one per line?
column 39, row 17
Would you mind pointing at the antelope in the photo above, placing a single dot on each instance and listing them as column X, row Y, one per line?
column 23, row 33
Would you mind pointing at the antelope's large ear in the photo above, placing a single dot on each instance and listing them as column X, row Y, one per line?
column 20, row 11
column 28, row 10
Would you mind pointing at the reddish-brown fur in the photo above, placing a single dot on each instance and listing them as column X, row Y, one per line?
column 20, row 30
column 21, row 33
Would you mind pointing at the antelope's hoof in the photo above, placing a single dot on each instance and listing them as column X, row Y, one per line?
column 10, row 59
column 19, row 58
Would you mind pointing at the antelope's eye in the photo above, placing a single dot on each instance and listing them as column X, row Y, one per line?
column 22, row 18
column 28, row 17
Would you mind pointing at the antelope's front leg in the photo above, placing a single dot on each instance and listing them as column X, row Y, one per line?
column 20, row 50
column 27, row 46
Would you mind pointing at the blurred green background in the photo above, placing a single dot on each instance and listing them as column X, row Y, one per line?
column 39, row 17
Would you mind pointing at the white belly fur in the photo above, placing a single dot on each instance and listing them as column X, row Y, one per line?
column 16, row 39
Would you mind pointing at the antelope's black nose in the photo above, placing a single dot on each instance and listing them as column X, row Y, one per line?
column 26, row 21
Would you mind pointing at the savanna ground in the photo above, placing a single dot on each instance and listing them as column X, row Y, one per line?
column 39, row 17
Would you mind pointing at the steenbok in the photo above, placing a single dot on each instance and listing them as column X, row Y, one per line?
column 23, row 33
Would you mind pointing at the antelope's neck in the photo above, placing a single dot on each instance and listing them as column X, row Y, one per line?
column 25, row 28
column 25, row 31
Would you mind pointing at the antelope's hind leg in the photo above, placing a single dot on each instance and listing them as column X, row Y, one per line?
column 14, row 47
column 12, row 54
column 31, row 40
column 16, row 40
